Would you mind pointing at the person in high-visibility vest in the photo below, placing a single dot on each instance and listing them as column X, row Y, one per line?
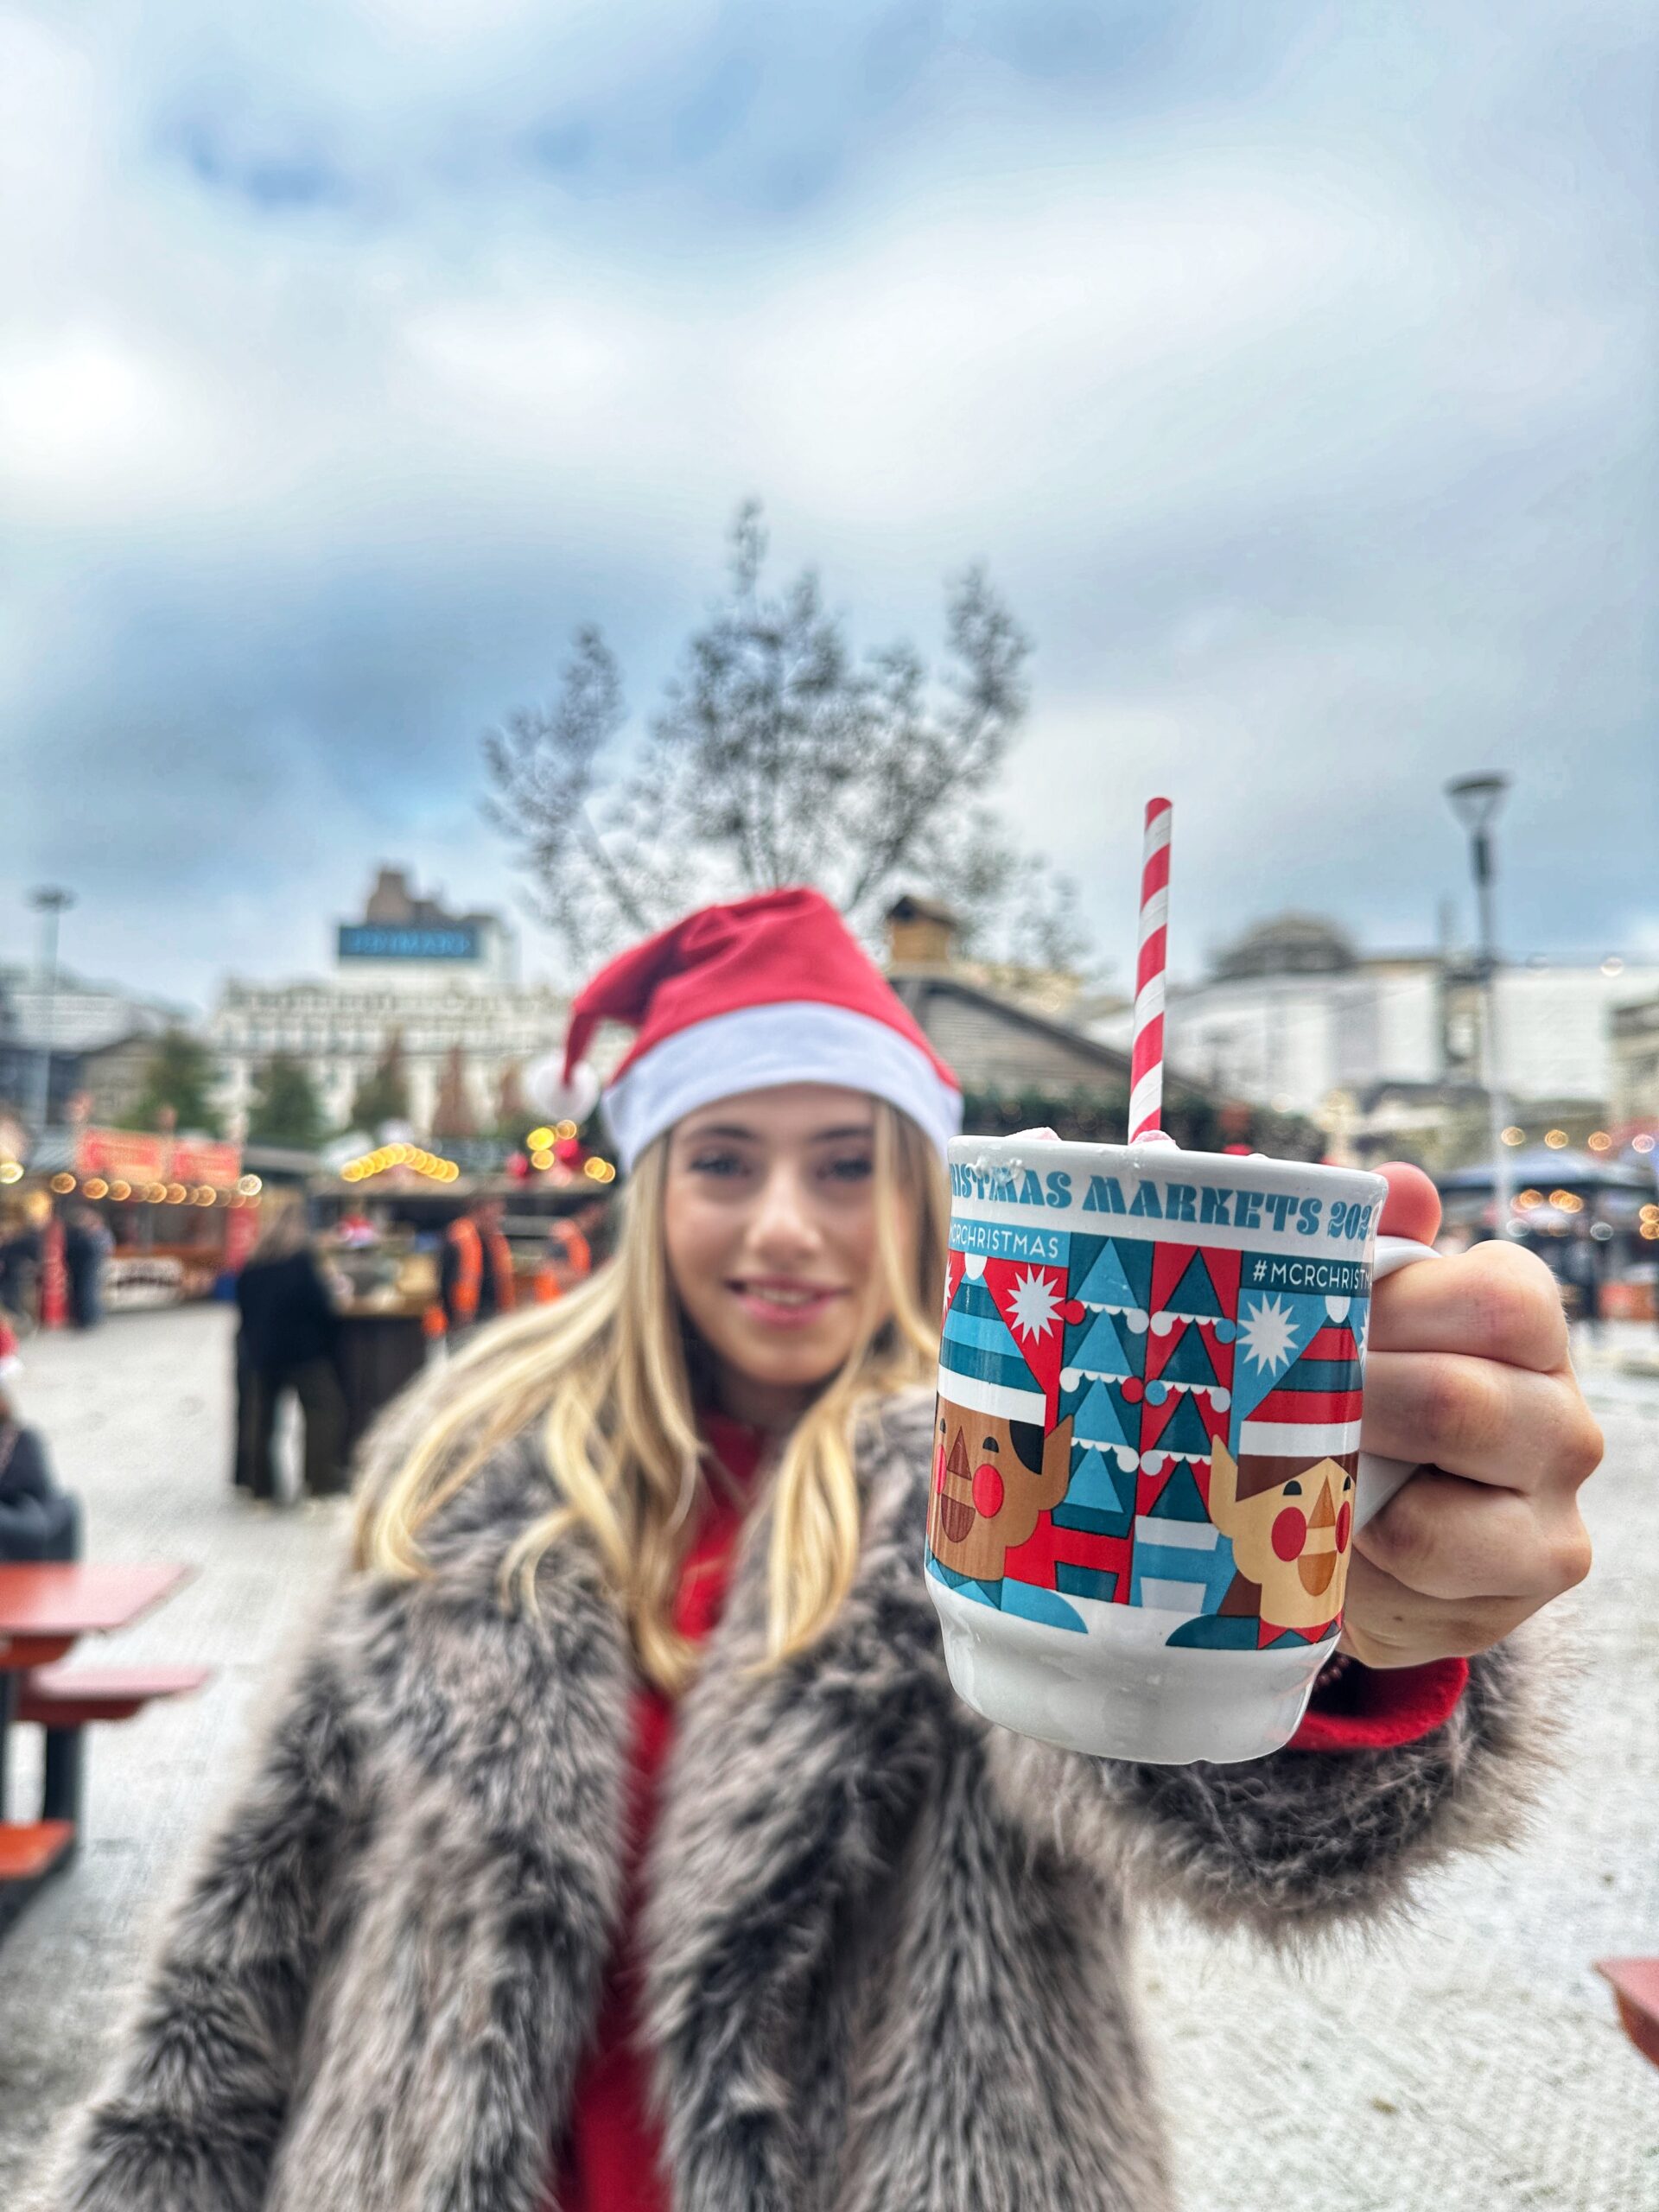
column 475, row 1275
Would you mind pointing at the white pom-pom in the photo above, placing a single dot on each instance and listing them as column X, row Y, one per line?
column 545, row 1088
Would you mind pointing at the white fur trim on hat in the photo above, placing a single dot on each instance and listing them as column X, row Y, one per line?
column 761, row 1047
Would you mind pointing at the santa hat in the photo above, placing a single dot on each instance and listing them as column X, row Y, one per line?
column 11, row 1364
column 982, row 1368
column 766, row 991
column 1312, row 1411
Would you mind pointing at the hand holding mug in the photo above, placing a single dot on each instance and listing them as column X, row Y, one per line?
column 1468, row 1380
column 1153, row 1521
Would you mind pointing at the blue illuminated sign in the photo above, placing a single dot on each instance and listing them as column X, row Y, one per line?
column 379, row 941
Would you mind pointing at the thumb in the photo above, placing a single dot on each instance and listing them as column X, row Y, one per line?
column 1413, row 1205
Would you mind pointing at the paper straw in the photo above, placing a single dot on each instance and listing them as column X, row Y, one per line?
column 1146, row 1058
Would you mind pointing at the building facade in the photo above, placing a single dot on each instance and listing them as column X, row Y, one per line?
column 443, row 985
column 1635, row 1062
column 1293, row 1015
column 101, row 1038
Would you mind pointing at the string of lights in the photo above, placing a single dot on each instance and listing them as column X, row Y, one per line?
column 388, row 1156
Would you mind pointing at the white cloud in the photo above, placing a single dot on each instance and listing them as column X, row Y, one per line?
column 1303, row 426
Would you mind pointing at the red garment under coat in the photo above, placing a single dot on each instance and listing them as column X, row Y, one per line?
column 611, row 2160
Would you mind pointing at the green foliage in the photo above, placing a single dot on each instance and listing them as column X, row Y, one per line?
column 285, row 1108
column 1101, row 1117
column 179, row 1079
column 383, row 1094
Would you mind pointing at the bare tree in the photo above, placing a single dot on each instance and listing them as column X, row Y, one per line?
column 779, row 757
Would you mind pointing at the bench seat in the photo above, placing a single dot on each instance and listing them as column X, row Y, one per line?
column 73, row 1697
column 31, row 1848
column 1636, row 1990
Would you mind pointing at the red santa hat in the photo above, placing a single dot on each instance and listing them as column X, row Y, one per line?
column 767, row 991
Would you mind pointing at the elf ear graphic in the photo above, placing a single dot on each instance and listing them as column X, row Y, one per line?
column 1056, row 1466
column 1224, row 1487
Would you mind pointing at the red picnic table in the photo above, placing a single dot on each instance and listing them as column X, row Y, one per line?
column 44, row 1611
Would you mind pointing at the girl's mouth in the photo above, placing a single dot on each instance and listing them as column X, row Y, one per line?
column 777, row 1302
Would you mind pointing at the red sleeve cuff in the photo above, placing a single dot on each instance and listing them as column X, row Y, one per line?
column 1368, row 1709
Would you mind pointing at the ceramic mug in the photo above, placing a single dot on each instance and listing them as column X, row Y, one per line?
column 1147, row 1473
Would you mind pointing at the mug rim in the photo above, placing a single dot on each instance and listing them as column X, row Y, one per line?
column 1160, row 1161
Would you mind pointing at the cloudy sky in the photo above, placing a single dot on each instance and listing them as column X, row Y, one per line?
column 1291, row 366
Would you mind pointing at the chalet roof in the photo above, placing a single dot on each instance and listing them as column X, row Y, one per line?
column 924, row 990
column 909, row 907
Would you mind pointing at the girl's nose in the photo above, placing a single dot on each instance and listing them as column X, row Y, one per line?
column 783, row 1228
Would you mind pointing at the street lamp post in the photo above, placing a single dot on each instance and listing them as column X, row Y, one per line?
column 1475, row 801
column 50, row 903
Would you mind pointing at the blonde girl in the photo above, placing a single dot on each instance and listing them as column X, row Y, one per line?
column 621, row 1846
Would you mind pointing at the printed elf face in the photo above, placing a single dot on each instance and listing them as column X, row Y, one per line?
column 991, row 1479
column 1292, row 1526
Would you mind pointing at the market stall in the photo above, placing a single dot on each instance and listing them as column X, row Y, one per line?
column 1561, row 1199
column 180, row 1211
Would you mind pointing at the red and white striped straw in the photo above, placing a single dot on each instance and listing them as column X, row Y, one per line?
column 1147, row 1059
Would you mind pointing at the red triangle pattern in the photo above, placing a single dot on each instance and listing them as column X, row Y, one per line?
column 1171, row 1261
column 1043, row 1353
column 1161, row 1350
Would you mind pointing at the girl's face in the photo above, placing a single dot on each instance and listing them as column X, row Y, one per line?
column 769, row 1219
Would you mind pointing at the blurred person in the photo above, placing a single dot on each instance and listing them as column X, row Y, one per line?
column 289, row 1340
column 476, row 1271
column 21, row 1258
column 623, row 1843
column 569, row 1258
column 38, row 1521
column 87, row 1244
column 1582, row 1265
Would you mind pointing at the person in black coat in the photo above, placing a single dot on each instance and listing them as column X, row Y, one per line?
column 38, row 1521
column 86, row 1245
column 21, row 1257
column 287, row 1340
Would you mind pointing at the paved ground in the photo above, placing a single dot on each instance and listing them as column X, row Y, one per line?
column 1471, row 2065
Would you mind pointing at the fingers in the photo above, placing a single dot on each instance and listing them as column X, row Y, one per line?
column 1387, row 1624
column 1508, row 1426
column 1496, row 1302
column 1413, row 1205
column 1459, row 1543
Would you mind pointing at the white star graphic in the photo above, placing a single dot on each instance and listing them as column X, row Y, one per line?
column 1034, row 1306
column 1269, row 1334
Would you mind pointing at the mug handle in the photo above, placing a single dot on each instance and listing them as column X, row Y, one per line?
column 1379, row 1478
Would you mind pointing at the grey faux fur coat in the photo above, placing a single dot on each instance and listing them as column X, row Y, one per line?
column 887, row 1946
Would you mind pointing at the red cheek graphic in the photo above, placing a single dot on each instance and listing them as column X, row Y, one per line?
column 938, row 1468
column 988, row 1490
column 1345, row 1525
column 1290, row 1533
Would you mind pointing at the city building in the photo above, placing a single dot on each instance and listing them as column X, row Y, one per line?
column 101, row 1036
column 996, row 1026
column 443, row 986
column 1295, row 1016
column 1635, row 1048
column 1556, row 1024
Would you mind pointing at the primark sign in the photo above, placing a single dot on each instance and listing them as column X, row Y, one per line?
column 383, row 941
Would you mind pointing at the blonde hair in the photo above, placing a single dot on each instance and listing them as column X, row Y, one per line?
column 606, row 1374
column 284, row 1228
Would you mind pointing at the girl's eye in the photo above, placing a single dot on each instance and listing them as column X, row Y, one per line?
column 715, row 1163
column 856, row 1169
column 1292, row 1489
